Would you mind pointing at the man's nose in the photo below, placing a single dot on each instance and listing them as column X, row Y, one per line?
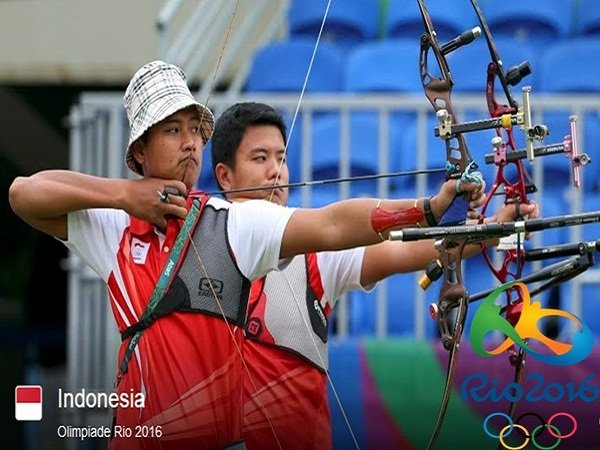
column 274, row 167
column 190, row 140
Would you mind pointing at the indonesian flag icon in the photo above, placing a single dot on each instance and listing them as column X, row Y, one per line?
column 28, row 403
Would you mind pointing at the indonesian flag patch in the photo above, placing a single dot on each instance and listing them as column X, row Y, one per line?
column 28, row 403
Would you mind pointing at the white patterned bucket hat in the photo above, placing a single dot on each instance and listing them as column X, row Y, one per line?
column 156, row 91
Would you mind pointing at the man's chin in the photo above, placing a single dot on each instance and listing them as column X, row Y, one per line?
column 191, row 179
column 277, row 197
column 273, row 198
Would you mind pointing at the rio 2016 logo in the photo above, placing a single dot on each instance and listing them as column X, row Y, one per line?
column 523, row 434
column 487, row 318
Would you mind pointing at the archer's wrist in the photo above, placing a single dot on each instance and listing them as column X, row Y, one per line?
column 123, row 194
column 491, row 242
column 432, row 210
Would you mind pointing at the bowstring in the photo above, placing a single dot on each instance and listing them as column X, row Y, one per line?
column 237, row 347
column 199, row 257
column 301, row 97
column 323, row 363
column 277, row 177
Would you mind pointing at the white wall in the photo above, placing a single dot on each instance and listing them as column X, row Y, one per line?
column 76, row 41
column 96, row 41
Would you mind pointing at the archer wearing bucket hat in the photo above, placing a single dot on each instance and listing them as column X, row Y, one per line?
column 156, row 91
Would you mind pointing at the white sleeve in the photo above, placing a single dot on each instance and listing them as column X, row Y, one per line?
column 95, row 235
column 255, row 230
column 340, row 272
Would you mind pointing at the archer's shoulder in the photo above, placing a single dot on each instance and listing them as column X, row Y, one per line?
column 218, row 203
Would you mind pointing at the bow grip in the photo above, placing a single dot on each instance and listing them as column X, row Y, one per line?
column 456, row 213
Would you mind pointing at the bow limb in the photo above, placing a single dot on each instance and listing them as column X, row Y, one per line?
column 451, row 308
column 438, row 90
column 450, row 313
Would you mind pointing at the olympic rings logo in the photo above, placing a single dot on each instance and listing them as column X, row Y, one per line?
column 523, row 433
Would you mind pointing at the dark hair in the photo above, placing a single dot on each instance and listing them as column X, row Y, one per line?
column 231, row 126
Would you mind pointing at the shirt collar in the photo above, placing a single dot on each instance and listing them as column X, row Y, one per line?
column 139, row 227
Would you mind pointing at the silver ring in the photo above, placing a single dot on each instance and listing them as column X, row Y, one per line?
column 163, row 196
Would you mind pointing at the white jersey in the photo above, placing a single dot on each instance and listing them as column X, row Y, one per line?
column 129, row 254
column 291, row 308
column 254, row 228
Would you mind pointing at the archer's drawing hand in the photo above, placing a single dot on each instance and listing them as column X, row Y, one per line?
column 147, row 200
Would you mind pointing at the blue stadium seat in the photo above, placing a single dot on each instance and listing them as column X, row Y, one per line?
column 390, row 65
column 282, row 67
column 591, row 146
column 207, row 181
column 319, row 196
column 588, row 18
column 571, row 66
column 449, row 19
column 363, row 148
column 400, row 308
column 347, row 22
column 540, row 23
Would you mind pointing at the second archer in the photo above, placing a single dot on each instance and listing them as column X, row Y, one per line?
column 288, row 314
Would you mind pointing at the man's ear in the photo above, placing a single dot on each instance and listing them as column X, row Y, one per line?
column 137, row 150
column 223, row 176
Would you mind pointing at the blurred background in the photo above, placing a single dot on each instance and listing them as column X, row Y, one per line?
column 64, row 65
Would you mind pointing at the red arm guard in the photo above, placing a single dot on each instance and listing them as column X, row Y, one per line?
column 383, row 219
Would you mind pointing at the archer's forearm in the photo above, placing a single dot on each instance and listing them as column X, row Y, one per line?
column 391, row 257
column 345, row 224
column 55, row 193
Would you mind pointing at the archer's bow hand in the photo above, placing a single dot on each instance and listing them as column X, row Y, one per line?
column 474, row 188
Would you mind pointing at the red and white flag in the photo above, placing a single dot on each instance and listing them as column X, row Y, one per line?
column 28, row 403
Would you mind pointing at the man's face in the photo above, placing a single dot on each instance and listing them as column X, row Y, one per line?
column 258, row 161
column 173, row 148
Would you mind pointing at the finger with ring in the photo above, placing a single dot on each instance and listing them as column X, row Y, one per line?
column 164, row 196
